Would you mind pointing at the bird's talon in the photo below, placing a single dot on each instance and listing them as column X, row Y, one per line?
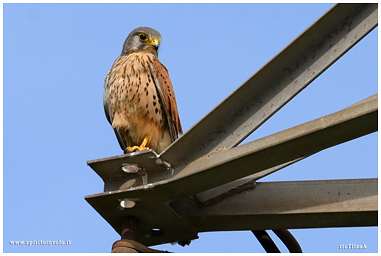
column 139, row 148
column 132, row 149
column 136, row 148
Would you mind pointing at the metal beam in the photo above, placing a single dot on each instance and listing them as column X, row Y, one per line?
column 303, row 140
column 270, row 205
column 219, row 193
column 289, row 205
column 155, row 189
column 276, row 83
column 216, row 169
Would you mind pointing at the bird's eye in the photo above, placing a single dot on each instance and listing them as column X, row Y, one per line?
column 143, row 37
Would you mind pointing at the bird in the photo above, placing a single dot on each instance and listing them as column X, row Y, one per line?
column 138, row 97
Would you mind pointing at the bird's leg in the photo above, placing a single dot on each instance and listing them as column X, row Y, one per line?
column 141, row 147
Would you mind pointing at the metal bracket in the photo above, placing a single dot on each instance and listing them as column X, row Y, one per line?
column 131, row 170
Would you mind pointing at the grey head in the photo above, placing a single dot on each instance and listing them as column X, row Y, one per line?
column 142, row 39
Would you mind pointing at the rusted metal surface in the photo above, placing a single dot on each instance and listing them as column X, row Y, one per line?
column 131, row 246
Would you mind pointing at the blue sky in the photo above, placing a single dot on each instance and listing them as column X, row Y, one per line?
column 55, row 57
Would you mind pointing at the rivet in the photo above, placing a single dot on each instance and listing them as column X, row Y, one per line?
column 127, row 203
column 130, row 168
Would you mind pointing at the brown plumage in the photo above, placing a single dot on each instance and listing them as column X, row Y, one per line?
column 138, row 97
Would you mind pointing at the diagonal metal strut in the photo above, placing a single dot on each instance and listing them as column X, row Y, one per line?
column 303, row 140
column 215, row 169
column 276, row 83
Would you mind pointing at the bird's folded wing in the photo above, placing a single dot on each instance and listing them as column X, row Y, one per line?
column 167, row 96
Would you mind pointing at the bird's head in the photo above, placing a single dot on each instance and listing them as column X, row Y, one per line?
column 142, row 39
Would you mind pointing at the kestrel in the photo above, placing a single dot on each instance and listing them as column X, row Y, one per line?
column 138, row 97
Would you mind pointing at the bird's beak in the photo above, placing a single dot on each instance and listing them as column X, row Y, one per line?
column 155, row 43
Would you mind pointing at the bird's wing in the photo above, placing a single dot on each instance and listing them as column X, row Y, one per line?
column 106, row 107
column 167, row 96
column 109, row 113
